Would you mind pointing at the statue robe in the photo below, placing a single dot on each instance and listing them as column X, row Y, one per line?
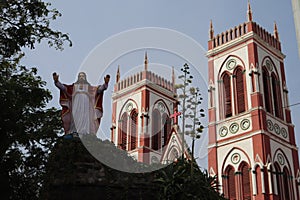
column 81, row 106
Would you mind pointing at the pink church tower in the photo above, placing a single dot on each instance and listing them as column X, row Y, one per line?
column 252, row 147
column 142, row 105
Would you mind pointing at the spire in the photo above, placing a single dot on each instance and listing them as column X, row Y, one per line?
column 276, row 32
column 118, row 74
column 249, row 12
column 211, row 30
column 146, row 61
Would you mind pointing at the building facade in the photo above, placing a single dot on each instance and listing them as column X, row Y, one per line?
column 141, row 123
column 252, row 148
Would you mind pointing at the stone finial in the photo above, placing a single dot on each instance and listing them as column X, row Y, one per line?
column 276, row 35
column 146, row 62
column 249, row 12
column 211, row 30
column 118, row 74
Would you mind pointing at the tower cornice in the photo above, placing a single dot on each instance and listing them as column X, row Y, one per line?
column 242, row 40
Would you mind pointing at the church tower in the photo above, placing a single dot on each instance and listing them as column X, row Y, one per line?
column 142, row 105
column 252, row 148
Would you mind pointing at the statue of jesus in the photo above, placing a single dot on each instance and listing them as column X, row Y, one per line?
column 81, row 103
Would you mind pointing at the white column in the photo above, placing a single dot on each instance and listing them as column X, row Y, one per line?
column 254, row 186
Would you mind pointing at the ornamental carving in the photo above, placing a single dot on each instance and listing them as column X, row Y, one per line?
column 269, row 65
column 231, row 64
column 277, row 129
column 245, row 124
column 223, row 131
column 270, row 125
column 284, row 132
column 234, row 127
column 280, row 159
column 235, row 158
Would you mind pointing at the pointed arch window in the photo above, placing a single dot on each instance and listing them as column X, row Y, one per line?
column 133, row 129
column 123, row 131
column 278, row 180
column 246, row 191
column 231, row 183
column 156, row 130
column 240, row 91
column 276, row 96
column 166, row 128
column 267, row 93
column 227, row 96
column 288, row 194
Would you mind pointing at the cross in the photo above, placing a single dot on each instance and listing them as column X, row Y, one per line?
column 175, row 115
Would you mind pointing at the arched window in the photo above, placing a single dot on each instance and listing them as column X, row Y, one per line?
column 288, row 194
column 240, row 91
column 276, row 96
column 123, row 131
column 266, row 86
column 246, row 181
column 231, row 190
column 227, row 96
column 166, row 128
column 156, row 130
column 133, row 129
column 278, row 180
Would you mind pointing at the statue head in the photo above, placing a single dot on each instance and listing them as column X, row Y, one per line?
column 82, row 78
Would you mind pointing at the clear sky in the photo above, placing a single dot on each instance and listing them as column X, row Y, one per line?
column 91, row 22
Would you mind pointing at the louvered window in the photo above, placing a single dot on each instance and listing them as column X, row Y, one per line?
column 286, row 184
column 133, row 129
column 267, row 92
column 276, row 96
column 278, row 181
column 240, row 91
column 156, row 130
column 166, row 128
column 227, row 96
column 246, row 182
column 231, row 184
column 123, row 132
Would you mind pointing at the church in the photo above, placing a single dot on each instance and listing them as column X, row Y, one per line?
column 143, row 104
column 252, row 148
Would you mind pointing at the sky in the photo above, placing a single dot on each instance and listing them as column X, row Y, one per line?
column 92, row 24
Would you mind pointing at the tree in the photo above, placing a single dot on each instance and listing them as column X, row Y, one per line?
column 27, row 22
column 28, row 130
column 176, row 182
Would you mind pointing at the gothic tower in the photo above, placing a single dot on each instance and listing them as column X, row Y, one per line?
column 252, row 147
column 142, row 105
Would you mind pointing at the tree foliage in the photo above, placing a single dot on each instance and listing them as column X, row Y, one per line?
column 28, row 129
column 24, row 23
column 177, row 181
